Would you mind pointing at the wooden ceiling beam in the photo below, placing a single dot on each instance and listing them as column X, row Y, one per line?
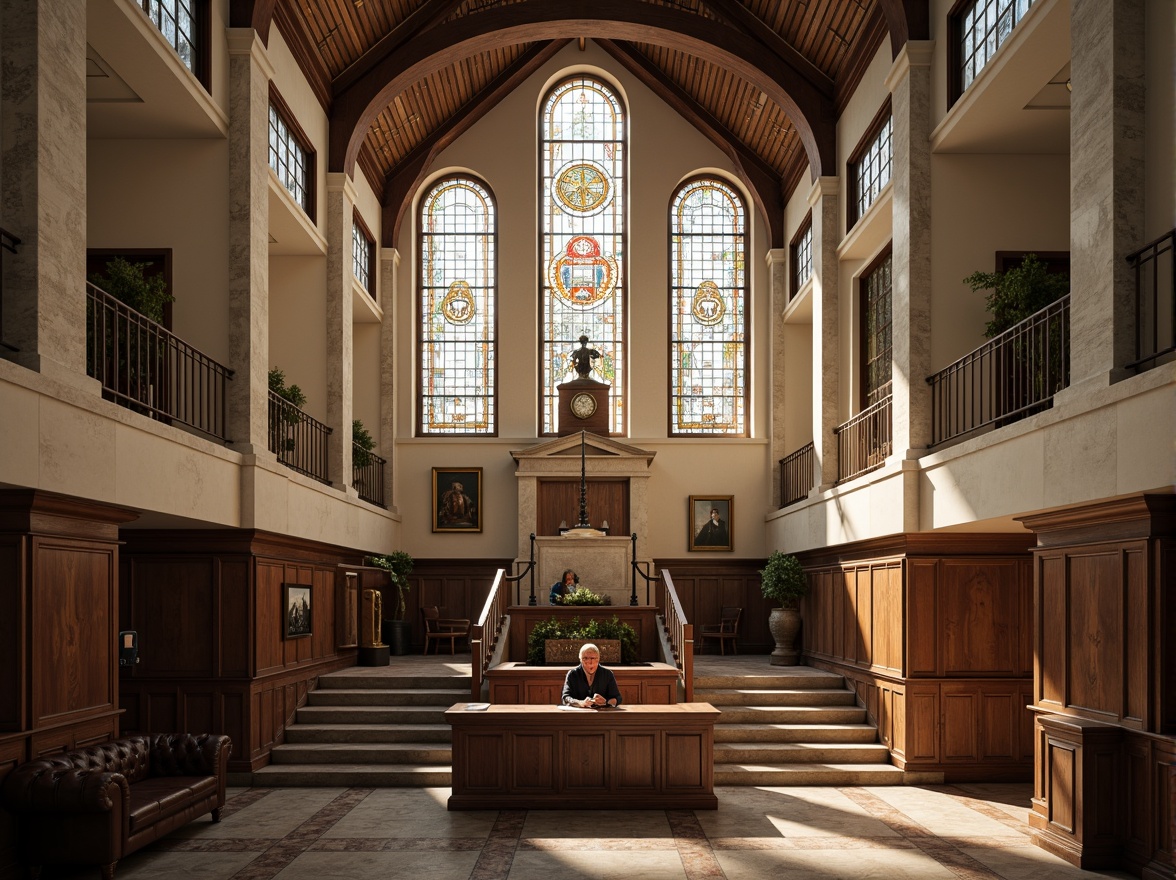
column 359, row 103
column 425, row 16
column 256, row 14
column 906, row 20
column 405, row 177
column 760, row 178
column 743, row 17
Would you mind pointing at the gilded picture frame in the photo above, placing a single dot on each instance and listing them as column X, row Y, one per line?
column 710, row 523
column 457, row 499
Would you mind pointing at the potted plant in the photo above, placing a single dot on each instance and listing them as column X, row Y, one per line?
column 783, row 580
column 365, row 444
column 280, row 436
column 397, row 632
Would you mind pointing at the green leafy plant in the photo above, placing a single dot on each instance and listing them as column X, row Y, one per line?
column 361, row 455
column 1018, row 292
column 128, row 283
column 593, row 630
column 584, row 596
column 292, row 414
column 399, row 565
column 783, row 579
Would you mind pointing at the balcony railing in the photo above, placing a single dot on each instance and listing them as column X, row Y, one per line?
column 367, row 474
column 1155, row 302
column 865, row 441
column 797, row 475
column 8, row 242
column 297, row 439
column 150, row 370
column 1011, row 376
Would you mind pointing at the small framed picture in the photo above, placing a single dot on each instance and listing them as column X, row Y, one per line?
column 457, row 499
column 297, row 611
column 710, row 522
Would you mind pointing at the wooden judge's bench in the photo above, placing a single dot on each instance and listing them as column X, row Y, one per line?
column 550, row 757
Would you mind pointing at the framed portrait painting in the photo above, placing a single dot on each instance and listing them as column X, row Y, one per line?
column 710, row 522
column 296, row 610
column 457, row 499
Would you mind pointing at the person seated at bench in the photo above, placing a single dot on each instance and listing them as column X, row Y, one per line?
column 590, row 685
column 566, row 584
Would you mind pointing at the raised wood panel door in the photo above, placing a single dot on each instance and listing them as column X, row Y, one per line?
column 1096, row 637
column 980, row 604
column 559, row 501
column 73, row 621
column 173, row 607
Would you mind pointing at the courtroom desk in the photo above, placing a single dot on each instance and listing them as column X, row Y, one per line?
column 524, row 618
column 650, row 684
column 550, row 758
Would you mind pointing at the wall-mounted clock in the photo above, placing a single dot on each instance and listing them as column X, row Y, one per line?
column 583, row 405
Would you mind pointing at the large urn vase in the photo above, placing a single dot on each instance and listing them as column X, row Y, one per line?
column 784, row 624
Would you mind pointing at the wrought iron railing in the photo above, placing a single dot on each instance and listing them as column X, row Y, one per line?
column 865, row 441
column 681, row 634
column 1155, row 302
column 297, row 439
column 8, row 242
column 797, row 474
column 1011, row 376
column 150, row 370
column 367, row 474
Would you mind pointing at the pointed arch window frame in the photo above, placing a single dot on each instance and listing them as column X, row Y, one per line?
column 489, row 388
column 677, row 308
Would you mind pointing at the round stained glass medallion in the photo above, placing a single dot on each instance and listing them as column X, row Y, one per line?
column 707, row 305
column 458, row 305
column 582, row 187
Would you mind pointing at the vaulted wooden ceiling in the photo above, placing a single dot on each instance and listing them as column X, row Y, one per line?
column 763, row 79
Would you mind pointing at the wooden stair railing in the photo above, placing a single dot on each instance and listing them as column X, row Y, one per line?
column 484, row 633
column 681, row 635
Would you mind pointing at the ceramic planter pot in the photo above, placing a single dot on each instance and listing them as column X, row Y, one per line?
column 784, row 624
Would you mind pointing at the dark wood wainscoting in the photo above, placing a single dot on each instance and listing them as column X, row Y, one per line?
column 934, row 633
column 706, row 585
column 213, row 653
column 58, row 630
column 1105, row 682
column 460, row 586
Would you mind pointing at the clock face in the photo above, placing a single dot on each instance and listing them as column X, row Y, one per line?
column 583, row 405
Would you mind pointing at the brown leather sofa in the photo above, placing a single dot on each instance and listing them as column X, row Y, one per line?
column 93, row 806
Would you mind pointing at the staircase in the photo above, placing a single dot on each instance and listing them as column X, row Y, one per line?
column 359, row 728
column 793, row 726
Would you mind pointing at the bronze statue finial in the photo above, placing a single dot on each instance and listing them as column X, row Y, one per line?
column 583, row 357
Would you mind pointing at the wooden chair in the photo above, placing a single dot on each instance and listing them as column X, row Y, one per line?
column 438, row 628
column 726, row 629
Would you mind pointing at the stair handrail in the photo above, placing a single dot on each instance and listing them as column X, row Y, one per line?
column 484, row 633
column 681, row 635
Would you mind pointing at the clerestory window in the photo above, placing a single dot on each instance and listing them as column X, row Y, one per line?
column 869, row 166
column 290, row 153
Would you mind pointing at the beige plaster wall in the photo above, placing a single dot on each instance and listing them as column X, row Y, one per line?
column 298, row 341
column 858, row 114
column 981, row 205
column 219, row 62
column 366, row 384
column 128, row 182
column 664, row 151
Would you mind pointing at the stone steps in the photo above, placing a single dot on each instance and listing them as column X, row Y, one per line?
column 808, row 774
column 368, row 733
column 347, row 775
column 800, row 752
column 390, row 697
column 796, row 733
column 789, row 714
column 810, row 697
column 363, row 753
column 372, row 714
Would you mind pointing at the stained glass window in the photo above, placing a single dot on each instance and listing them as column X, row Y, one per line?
column 708, row 336
column 458, row 319
column 582, row 202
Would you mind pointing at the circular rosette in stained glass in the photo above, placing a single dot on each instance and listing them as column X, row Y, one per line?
column 458, row 305
column 707, row 306
column 582, row 187
column 582, row 276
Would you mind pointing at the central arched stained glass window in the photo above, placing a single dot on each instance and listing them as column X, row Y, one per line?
column 582, row 201
column 458, row 319
column 708, row 310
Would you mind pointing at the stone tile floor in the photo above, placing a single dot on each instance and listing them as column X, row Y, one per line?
column 954, row 832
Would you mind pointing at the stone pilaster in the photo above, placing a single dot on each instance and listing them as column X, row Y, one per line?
column 824, row 199
column 909, row 82
column 43, row 188
column 776, row 265
column 1106, row 183
column 340, row 345
column 389, row 296
column 250, row 72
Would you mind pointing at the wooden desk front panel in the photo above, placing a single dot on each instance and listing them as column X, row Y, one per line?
column 541, row 757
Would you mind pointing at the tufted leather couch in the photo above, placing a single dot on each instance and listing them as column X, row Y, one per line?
column 98, row 804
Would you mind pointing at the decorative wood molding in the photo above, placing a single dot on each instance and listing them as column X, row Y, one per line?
column 305, row 54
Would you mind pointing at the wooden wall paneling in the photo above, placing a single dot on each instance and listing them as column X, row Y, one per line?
column 13, row 610
column 979, row 616
column 1000, row 713
column 1164, row 629
column 163, row 708
column 74, row 616
column 922, row 613
column 898, row 721
column 888, row 623
column 175, row 608
column 268, row 644
column 961, row 720
column 1027, row 655
column 1139, row 833
column 1051, row 672
column 1096, row 640
column 347, row 609
column 237, row 616
column 12, row 754
column 922, row 722
column 559, row 501
column 864, row 607
column 1135, row 708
